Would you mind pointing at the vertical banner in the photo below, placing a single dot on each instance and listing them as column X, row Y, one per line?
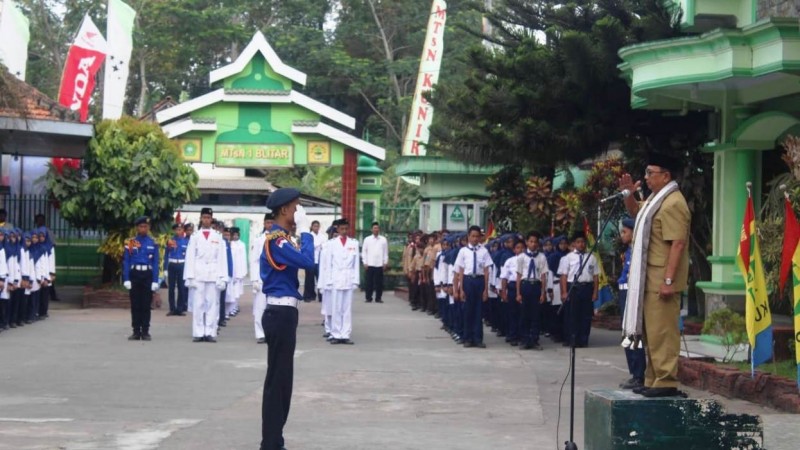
column 15, row 32
column 791, row 259
column 119, row 33
column 758, row 319
column 418, row 130
column 85, row 56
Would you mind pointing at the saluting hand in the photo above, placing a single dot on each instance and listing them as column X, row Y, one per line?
column 626, row 182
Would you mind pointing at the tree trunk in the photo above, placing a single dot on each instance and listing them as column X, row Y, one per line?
column 144, row 91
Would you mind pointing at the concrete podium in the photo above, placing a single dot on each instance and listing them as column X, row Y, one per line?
column 615, row 419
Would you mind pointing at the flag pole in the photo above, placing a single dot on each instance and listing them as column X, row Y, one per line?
column 749, row 186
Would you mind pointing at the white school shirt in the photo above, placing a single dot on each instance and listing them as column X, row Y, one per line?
column 206, row 258
column 509, row 270
column 375, row 251
column 320, row 239
column 439, row 270
column 473, row 256
column 239, row 260
column 339, row 265
column 570, row 264
column 539, row 264
column 256, row 249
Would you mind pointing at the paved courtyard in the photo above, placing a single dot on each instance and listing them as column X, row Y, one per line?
column 73, row 382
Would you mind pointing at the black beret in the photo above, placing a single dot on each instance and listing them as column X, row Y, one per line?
column 188, row 225
column 269, row 216
column 235, row 230
column 666, row 162
column 141, row 220
column 206, row 211
column 281, row 197
column 176, row 225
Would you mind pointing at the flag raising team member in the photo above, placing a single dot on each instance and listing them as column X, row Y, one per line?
column 339, row 277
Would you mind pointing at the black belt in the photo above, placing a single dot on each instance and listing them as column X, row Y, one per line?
column 474, row 276
column 532, row 281
column 584, row 283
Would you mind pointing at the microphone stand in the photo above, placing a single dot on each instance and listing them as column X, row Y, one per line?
column 570, row 444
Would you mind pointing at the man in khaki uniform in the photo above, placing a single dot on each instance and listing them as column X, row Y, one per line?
column 666, row 274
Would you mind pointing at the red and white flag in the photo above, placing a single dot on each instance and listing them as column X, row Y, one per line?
column 85, row 57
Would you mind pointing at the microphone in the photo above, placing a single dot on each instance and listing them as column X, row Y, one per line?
column 621, row 194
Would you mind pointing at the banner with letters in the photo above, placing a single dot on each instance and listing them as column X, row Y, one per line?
column 119, row 32
column 86, row 55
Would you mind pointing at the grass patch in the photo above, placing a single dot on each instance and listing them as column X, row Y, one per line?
column 784, row 369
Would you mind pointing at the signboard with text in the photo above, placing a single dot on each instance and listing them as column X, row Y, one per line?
column 253, row 155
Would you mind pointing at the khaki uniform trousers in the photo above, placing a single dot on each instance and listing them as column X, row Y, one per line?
column 662, row 339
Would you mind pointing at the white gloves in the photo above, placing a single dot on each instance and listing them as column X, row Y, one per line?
column 257, row 286
column 221, row 285
column 166, row 278
column 301, row 221
column 154, row 286
column 189, row 283
column 127, row 285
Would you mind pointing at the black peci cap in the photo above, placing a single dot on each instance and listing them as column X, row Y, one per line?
column 208, row 211
column 141, row 220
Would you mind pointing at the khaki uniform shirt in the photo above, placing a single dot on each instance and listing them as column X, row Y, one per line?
column 407, row 258
column 416, row 263
column 671, row 223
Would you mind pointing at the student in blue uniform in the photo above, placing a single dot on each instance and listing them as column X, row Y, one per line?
column 635, row 358
column 554, row 311
column 140, row 277
column 531, row 277
column 280, row 260
column 472, row 264
column 174, row 259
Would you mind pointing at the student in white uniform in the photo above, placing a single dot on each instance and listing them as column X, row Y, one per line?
column 472, row 264
column 508, row 289
column 531, row 291
column 440, row 283
column 206, row 270
column 340, row 276
column 236, row 287
column 259, row 298
column 579, row 306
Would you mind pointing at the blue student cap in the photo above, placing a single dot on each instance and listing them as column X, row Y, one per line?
column 281, row 197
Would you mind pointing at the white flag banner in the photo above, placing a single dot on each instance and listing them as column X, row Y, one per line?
column 119, row 35
column 14, row 41
column 419, row 122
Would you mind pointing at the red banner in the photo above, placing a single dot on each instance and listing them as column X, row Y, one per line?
column 86, row 56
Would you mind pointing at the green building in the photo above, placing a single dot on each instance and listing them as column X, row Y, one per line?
column 254, row 118
column 743, row 65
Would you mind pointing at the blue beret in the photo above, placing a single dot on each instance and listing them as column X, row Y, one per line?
column 141, row 220
column 628, row 223
column 281, row 197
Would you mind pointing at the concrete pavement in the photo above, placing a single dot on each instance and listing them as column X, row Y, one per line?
column 73, row 382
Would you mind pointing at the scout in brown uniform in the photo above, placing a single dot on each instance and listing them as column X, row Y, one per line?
column 666, row 272
column 428, row 259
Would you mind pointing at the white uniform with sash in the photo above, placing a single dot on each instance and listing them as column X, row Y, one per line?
column 339, row 276
column 206, row 269
column 259, row 298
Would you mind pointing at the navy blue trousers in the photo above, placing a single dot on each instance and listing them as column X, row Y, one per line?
column 531, row 312
column 280, row 329
column 457, row 318
column 473, row 325
column 513, row 311
column 579, row 310
column 177, row 302
column 444, row 311
column 636, row 359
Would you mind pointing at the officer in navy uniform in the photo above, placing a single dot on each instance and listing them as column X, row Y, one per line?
column 280, row 260
column 174, row 258
column 140, row 277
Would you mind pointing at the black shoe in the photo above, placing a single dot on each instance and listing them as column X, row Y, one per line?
column 501, row 334
column 513, row 343
column 182, row 313
column 326, row 335
column 261, row 341
column 13, row 325
column 459, row 341
column 413, row 308
column 369, row 301
column 147, row 337
column 198, row 339
column 660, row 392
column 640, row 390
column 479, row 345
column 172, row 313
column 336, row 341
column 223, row 324
column 536, row 347
column 346, row 342
column 211, row 339
column 134, row 337
column 378, row 301
column 28, row 322
column 468, row 345
column 633, row 383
